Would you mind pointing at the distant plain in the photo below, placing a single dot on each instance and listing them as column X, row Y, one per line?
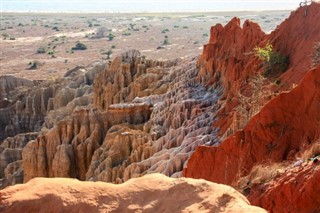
column 47, row 39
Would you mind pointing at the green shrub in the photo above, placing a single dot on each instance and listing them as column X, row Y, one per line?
column 111, row 36
column 274, row 62
column 79, row 46
column 51, row 52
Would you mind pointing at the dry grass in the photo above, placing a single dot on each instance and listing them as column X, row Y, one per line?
column 316, row 55
column 312, row 151
column 261, row 174
column 261, row 92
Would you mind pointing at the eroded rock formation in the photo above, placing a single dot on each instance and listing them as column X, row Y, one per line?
column 136, row 116
column 32, row 106
column 150, row 117
column 11, row 171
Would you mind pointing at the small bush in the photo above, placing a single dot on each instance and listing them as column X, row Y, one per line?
column 55, row 28
column 165, row 30
column 126, row 33
column 111, row 36
column 41, row 50
column 51, row 52
column 108, row 53
column 79, row 46
column 166, row 41
column 5, row 36
column 34, row 65
column 274, row 62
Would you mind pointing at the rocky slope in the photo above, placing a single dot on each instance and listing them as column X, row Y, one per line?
column 272, row 135
column 151, row 193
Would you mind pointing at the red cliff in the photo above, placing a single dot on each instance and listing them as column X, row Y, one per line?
column 282, row 129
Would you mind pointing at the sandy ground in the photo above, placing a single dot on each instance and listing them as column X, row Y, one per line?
column 23, row 34
column 150, row 193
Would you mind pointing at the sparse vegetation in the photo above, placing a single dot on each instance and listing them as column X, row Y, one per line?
column 316, row 55
column 312, row 151
column 274, row 62
column 79, row 46
column 261, row 174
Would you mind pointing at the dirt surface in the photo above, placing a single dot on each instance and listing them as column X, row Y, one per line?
column 158, row 36
column 151, row 193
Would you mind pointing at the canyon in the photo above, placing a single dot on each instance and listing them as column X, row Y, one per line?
column 224, row 116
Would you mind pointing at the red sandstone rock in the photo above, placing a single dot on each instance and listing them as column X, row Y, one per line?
column 296, row 38
column 276, row 133
column 297, row 190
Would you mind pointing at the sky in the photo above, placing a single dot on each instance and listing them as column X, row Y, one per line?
column 124, row 6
